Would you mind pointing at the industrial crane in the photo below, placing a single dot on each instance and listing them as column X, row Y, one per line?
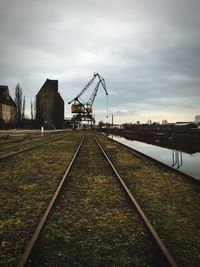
column 83, row 111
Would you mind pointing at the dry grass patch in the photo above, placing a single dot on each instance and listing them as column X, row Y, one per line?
column 171, row 202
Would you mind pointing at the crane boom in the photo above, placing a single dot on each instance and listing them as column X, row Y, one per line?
column 92, row 97
column 84, row 89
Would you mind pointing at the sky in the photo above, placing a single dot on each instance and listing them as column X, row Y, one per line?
column 147, row 51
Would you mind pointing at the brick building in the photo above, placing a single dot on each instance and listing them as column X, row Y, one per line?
column 7, row 106
column 49, row 106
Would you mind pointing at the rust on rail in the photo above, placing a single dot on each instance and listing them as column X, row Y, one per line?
column 34, row 238
column 149, row 226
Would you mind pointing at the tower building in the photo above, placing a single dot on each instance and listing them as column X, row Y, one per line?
column 49, row 106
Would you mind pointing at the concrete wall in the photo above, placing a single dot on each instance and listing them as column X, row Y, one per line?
column 7, row 105
column 8, row 113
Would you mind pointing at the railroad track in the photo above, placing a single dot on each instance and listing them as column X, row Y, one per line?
column 6, row 141
column 67, row 209
column 28, row 182
column 22, row 141
column 17, row 148
column 20, row 137
column 169, row 198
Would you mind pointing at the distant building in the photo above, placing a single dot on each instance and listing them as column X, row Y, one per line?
column 7, row 106
column 68, row 122
column 164, row 122
column 197, row 119
column 49, row 106
column 184, row 125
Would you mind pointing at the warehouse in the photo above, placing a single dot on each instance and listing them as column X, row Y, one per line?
column 49, row 106
column 7, row 106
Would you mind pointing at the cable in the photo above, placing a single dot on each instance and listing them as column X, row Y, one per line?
column 107, row 107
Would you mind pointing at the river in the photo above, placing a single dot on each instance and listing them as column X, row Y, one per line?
column 185, row 162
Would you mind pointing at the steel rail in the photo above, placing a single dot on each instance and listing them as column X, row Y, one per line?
column 11, row 141
column 43, row 220
column 144, row 156
column 135, row 152
column 25, row 143
column 9, row 147
column 32, row 147
column 149, row 226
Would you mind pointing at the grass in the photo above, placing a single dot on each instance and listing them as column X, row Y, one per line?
column 171, row 201
column 6, row 149
column 27, row 183
column 93, row 223
column 8, row 139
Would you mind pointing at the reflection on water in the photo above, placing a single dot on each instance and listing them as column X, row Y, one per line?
column 177, row 159
column 185, row 162
column 158, row 140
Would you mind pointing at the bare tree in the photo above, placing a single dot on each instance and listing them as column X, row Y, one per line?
column 23, row 110
column 34, row 109
column 32, row 112
column 19, row 104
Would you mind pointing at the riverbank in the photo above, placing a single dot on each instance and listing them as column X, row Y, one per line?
column 187, row 140
column 184, row 162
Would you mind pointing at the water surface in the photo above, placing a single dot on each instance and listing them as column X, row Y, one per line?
column 185, row 162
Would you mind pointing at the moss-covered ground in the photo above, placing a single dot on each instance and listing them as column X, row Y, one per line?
column 25, row 142
column 13, row 139
column 93, row 223
column 171, row 201
column 6, row 140
column 27, row 183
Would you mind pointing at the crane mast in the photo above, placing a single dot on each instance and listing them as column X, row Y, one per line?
column 83, row 111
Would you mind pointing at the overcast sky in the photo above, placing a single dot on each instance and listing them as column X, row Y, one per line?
column 147, row 51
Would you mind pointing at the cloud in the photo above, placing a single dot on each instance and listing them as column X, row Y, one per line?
column 147, row 52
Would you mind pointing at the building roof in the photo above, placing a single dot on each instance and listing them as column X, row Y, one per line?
column 183, row 123
column 5, row 98
column 49, row 86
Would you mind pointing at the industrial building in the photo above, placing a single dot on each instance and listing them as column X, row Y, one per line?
column 184, row 125
column 7, row 106
column 49, row 106
column 197, row 119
